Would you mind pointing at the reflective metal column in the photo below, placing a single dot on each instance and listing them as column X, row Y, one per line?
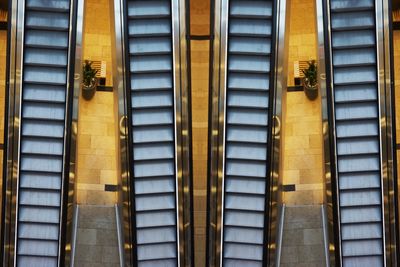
column 40, row 89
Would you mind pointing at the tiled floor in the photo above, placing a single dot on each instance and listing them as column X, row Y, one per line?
column 97, row 239
column 302, row 244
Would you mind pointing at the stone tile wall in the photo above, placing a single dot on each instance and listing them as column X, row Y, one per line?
column 396, row 48
column 200, row 25
column 302, row 141
column 97, row 38
column 302, row 41
column 96, row 154
column 3, row 53
column 96, row 159
column 200, row 69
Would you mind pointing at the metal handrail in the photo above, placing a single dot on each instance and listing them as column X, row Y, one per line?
column 120, row 236
column 326, row 234
column 280, row 236
column 74, row 234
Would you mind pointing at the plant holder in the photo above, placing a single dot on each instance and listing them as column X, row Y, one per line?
column 310, row 81
column 310, row 91
column 89, row 84
column 88, row 92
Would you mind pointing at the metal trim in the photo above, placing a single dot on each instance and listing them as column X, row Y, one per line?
column 120, row 107
column 176, row 65
column 5, row 138
column 186, row 203
column 126, row 141
column 13, row 72
column 213, row 187
column 278, row 81
column 382, row 119
column 326, row 235
column 74, row 235
column 329, row 132
column 15, row 114
column 70, row 133
column 387, row 130
column 223, row 50
column 330, row 174
column 280, row 236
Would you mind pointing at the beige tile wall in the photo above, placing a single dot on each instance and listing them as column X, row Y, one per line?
column 302, row 41
column 3, row 46
column 199, row 54
column 96, row 159
column 396, row 48
column 97, row 38
column 96, row 155
column 302, row 146
column 200, row 17
column 200, row 25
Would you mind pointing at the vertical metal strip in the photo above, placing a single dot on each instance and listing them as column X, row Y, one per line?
column 178, row 126
column 16, row 120
column 331, row 172
column 70, row 134
column 6, row 133
column 11, row 157
column 120, row 84
column 282, row 28
column 271, row 217
column 222, row 121
column 382, row 117
column 128, row 98
column 186, row 188
column 213, row 222
column 73, row 91
column 387, row 132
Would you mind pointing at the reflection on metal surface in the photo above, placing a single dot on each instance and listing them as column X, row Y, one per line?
column 329, row 146
column 213, row 222
column 326, row 235
column 277, row 125
column 120, row 106
column 280, row 236
column 79, row 5
column 185, row 185
column 11, row 155
column 388, row 129
column 281, row 66
column 123, row 125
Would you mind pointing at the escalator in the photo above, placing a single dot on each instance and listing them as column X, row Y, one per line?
column 45, row 79
column 249, row 94
column 353, row 73
column 151, row 90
